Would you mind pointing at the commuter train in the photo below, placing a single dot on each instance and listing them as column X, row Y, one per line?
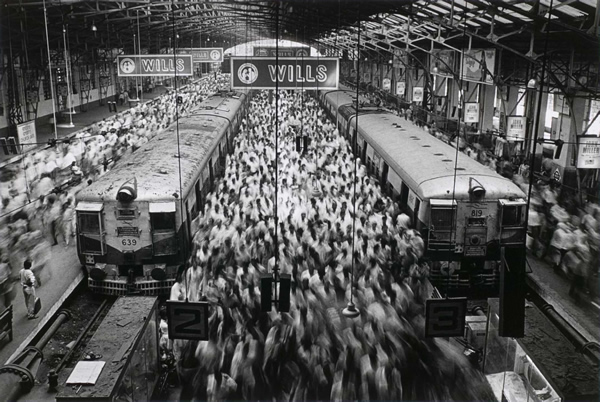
column 134, row 223
column 465, row 212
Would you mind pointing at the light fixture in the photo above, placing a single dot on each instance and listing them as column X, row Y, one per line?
column 531, row 83
column 94, row 28
column 436, row 69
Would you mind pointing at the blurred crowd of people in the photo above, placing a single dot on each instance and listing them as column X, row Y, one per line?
column 38, row 192
column 338, row 238
column 567, row 236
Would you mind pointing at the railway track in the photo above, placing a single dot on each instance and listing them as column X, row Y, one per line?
column 68, row 345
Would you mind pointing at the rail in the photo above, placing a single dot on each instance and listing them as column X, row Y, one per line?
column 6, row 329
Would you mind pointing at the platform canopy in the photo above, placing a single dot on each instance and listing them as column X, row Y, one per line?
column 516, row 27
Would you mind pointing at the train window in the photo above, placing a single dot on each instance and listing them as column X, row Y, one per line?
column 163, row 221
column 89, row 222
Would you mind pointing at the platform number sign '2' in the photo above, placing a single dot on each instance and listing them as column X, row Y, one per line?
column 445, row 317
column 188, row 320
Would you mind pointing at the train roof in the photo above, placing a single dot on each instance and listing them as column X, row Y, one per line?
column 345, row 96
column 427, row 163
column 155, row 165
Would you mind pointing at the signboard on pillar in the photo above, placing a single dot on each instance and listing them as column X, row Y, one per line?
column 386, row 84
column 417, row 94
column 442, row 62
column 27, row 135
column 286, row 72
column 588, row 155
column 478, row 65
column 515, row 128
column 400, row 88
column 154, row 65
column 203, row 54
column 471, row 112
column 188, row 320
column 445, row 317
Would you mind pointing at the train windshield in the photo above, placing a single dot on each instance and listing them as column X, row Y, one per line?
column 89, row 222
column 512, row 215
column 163, row 221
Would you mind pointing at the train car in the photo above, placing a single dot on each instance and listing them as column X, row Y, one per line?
column 134, row 223
column 465, row 212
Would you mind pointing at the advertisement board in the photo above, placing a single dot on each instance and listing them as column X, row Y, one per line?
column 478, row 65
column 263, row 51
column 471, row 112
column 27, row 135
column 154, row 65
column 588, row 155
column 400, row 88
column 442, row 62
column 203, row 54
column 286, row 72
column 515, row 128
column 417, row 94
column 386, row 84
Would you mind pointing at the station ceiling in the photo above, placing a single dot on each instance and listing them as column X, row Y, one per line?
column 527, row 29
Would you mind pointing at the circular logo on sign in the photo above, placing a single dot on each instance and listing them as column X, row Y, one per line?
column 301, row 53
column 127, row 65
column 247, row 73
column 215, row 55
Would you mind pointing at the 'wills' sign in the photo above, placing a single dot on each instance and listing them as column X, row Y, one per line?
column 154, row 65
column 287, row 72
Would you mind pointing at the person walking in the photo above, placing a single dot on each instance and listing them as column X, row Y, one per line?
column 28, row 284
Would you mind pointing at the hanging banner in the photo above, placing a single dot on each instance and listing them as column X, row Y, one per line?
column 515, row 128
column 588, row 156
column 478, row 65
column 203, row 54
column 400, row 88
column 442, row 62
column 471, row 112
column 260, row 51
column 290, row 73
column 417, row 94
column 27, row 135
column 386, row 84
column 154, row 65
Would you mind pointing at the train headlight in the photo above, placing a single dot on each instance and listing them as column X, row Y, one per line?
column 475, row 240
column 158, row 273
column 127, row 192
column 97, row 273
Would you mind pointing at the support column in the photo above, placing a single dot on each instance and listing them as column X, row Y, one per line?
column 486, row 107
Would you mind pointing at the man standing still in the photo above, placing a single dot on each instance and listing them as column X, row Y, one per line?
column 28, row 284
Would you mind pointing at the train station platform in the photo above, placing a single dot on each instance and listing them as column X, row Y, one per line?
column 61, row 277
column 94, row 113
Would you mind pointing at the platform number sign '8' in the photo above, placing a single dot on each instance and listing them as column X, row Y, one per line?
column 445, row 317
column 188, row 320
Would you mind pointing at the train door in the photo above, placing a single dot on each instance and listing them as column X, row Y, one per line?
column 212, row 173
column 188, row 219
column 384, row 177
column 90, row 230
column 404, row 195
column 163, row 228
column 199, row 203
column 363, row 155
column 416, row 214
